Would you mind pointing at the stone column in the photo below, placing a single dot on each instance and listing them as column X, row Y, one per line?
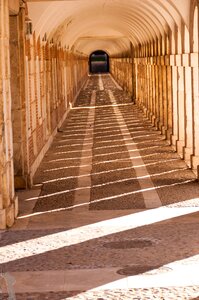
column 170, row 102
column 195, row 90
column 153, row 93
column 175, row 100
column 8, row 201
column 165, row 99
column 146, row 86
column 160, row 94
column 156, row 92
column 17, row 67
column 188, row 150
column 150, row 90
column 181, row 109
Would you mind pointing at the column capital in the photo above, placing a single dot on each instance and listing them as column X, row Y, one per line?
column 22, row 4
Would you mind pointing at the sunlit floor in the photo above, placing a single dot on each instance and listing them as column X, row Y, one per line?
column 114, row 212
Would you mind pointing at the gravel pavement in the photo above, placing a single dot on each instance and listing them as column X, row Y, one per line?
column 86, row 230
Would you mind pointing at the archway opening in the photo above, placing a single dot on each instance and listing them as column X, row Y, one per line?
column 195, row 31
column 99, row 62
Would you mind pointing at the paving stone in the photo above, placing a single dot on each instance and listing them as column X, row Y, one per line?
column 114, row 188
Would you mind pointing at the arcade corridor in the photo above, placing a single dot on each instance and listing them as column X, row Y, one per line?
column 99, row 149
column 113, row 213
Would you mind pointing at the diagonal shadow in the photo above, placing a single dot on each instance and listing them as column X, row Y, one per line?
column 71, row 250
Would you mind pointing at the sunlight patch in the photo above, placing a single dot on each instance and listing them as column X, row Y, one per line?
column 75, row 236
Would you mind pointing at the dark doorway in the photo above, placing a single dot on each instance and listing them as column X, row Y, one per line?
column 99, row 62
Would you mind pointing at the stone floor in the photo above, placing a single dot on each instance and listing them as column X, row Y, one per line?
column 113, row 214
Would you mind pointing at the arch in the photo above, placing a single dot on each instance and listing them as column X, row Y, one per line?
column 195, row 30
column 139, row 21
column 99, row 62
column 194, row 26
column 186, row 40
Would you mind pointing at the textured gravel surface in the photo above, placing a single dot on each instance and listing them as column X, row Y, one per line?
column 169, row 244
column 115, row 191
column 178, row 293
column 58, row 172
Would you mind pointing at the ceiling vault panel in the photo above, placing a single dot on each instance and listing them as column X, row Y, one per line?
column 112, row 25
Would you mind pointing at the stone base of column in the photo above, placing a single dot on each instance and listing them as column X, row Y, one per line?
column 156, row 123
column 20, row 182
column 8, row 214
column 2, row 218
column 159, row 126
column 133, row 100
column 145, row 112
column 169, row 136
column 195, row 164
column 163, row 130
column 174, row 141
column 180, row 148
column 153, row 118
column 188, row 152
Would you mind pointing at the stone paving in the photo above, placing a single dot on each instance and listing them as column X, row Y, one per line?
column 86, row 232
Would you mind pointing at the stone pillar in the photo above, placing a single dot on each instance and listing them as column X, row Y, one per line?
column 170, row 103
column 146, row 86
column 8, row 201
column 165, row 99
column 181, row 109
column 156, row 92
column 188, row 150
column 17, row 67
column 175, row 100
column 150, row 90
column 153, row 93
column 160, row 94
column 195, row 90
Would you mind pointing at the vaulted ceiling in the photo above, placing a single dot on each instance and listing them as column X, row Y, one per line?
column 109, row 25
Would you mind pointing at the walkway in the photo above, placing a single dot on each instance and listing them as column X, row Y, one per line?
column 113, row 213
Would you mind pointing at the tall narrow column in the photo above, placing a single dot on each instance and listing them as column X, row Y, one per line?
column 153, row 93
column 8, row 201
column 181, row 112
column 17, row 67
column 175, row 101
column 165, row 99
column 195, row 89
column 150, row 81
column 188, row 150
column 170, row 103
column 156, row 93
column 160, row 95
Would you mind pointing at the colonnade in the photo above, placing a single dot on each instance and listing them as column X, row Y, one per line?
column 40, row 79
column 39, row 82
column 164, row 82
column 8, row 200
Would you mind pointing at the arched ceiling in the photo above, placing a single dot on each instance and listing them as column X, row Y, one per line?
column 85, row 26
column 90, row 44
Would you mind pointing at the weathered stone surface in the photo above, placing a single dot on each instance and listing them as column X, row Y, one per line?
column 20, row 182
column 13, row 6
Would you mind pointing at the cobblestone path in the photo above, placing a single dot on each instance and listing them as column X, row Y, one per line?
column 113, row 214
